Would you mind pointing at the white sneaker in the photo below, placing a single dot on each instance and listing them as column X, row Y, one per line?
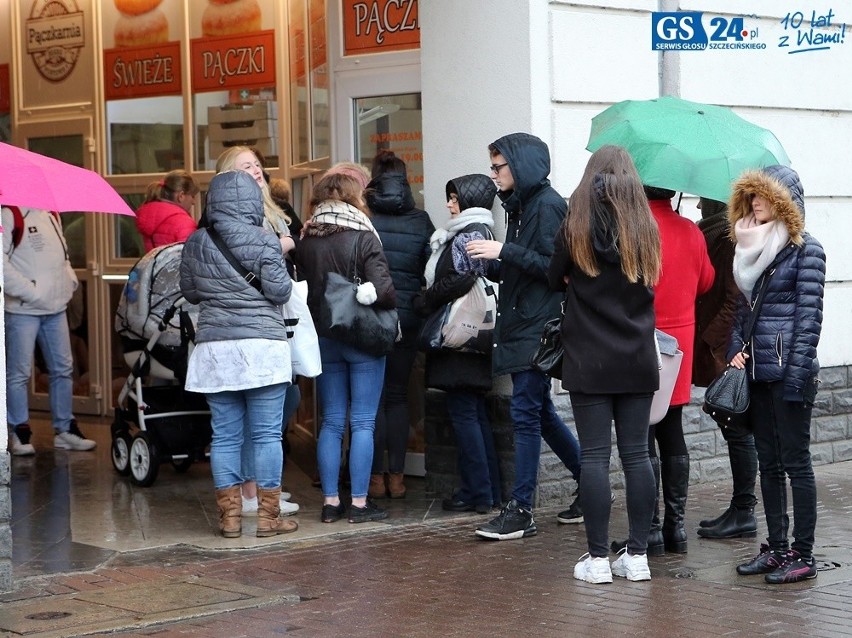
column 285, row 496
column 631, row 567
column 17, row 448
column 287, row 509
column 593, row 569
column 71, row 441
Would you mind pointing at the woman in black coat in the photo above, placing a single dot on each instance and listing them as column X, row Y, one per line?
column 404, row 231
column 466, row 376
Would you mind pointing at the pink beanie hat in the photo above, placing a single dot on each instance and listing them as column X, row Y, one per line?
column 355, row 171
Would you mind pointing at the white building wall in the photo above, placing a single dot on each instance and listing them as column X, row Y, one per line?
column 491, row 67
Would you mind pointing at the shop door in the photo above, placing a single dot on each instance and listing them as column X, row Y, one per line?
column 72, row 142
column 381, row 109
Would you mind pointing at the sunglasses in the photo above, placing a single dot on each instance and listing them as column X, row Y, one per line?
column 495, row 168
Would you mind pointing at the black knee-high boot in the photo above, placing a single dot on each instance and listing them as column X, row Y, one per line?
column 674, row 472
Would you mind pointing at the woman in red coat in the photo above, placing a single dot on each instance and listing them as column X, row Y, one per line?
column 687, row 273
column 165, row 216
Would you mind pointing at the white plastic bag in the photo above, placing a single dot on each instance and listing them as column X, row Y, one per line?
column 470, row 322
column 304, row 344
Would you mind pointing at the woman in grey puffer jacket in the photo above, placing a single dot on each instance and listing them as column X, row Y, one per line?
column 767, row 215
column 241, row 362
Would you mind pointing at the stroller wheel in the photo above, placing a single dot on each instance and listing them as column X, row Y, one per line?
column 181, row 465
column 144, row 463
column 120, row 453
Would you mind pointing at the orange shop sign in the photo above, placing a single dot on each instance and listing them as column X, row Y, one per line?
column 243, row 61
column 142, row 71
column 377, row 26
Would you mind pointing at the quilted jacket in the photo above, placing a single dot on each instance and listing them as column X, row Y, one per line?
column 230, row 307
column 535, row 211
column 787, row 331
column 162, row 222
column 405, row 232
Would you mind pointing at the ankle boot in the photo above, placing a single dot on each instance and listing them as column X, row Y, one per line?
column 713, row 522
column 656, row 544
column 230, row 505
column 739, row 523
column 378, row 488
column 268, row 510
column 674, row 472
column 396, row 488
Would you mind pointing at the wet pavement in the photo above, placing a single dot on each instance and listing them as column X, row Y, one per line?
column 420, row 573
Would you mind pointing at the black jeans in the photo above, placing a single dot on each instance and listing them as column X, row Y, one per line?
column 593, row 415
column 743, row 458
column 782, row 436
column 392, row 419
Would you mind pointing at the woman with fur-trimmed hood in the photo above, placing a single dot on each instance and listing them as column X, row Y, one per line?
column 767, row 215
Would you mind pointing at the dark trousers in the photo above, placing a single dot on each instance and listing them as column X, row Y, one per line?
column 594, row 414
column 392, row 419
column 478, row 466
column 782, row 436
column 743, row 458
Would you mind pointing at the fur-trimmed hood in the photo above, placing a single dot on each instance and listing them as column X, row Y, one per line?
column 781, row 186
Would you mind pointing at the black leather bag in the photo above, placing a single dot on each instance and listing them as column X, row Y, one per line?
column 727, row 399
column 548, row 357
column 367, row 328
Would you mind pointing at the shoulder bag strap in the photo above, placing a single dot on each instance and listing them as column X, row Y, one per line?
column 356, row 280
column 250, row 277
column 756, row 303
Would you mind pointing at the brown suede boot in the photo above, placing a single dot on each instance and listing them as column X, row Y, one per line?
column 396, row 487
column 268, row 509
column 230, row 505
column 378, row 487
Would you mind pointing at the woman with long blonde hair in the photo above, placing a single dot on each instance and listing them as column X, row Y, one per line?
column 607, row 259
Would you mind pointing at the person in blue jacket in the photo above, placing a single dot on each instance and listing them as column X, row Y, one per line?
column 767, row 215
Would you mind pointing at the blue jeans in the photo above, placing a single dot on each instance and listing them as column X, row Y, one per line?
column 350, row 383
column 259, row 411
column 478, row 465
column 51, row 333
column 534, row 417
column 594, row 414
column 292, row 397
column 782, row 436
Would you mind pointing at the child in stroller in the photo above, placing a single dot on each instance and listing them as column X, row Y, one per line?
column 155, row 418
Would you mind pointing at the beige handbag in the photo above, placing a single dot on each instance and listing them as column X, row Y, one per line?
column 669, row 359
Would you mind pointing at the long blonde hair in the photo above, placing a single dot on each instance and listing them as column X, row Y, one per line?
column 637, row 237
column 271, row 211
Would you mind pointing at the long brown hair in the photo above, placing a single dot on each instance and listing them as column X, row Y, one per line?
column 168, row 188
column 637, row 237
column 339, row 187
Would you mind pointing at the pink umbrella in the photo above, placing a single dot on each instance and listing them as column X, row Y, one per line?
column 35, row 181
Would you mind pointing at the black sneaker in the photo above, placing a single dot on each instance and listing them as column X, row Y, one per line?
column 767, row 561
column 513, row 522
column 573, row 515
column 332, row 513
column 794, row 569
column 370, row 512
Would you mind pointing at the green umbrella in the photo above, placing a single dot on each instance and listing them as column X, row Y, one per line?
column 686, row 146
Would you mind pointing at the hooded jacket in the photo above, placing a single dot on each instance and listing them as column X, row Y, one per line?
column 163, row 222
column 404, row 231
column 535, row 212
column 230, row 307
column 38, row 276
column 787, row 331
column 608, row 328
column 451, row 369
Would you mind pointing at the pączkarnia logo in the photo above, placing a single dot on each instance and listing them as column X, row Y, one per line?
column 54, row 37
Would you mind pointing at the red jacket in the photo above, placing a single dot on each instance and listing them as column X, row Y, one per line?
column 161, row 223
column 687, row 273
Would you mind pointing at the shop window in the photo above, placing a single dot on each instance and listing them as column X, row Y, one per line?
column 309, row 82
column 392, row 122
column 145, row 135
column 127, row 241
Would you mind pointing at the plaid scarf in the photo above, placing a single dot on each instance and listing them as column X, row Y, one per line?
column 342, row 214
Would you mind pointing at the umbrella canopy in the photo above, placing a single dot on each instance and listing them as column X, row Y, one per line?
column 686, row 146
column 35, row 181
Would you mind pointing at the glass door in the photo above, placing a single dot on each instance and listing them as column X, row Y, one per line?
column 70, row 142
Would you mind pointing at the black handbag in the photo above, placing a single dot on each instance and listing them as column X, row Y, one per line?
column 367, row 328
column 548, row 356
column 727, row 398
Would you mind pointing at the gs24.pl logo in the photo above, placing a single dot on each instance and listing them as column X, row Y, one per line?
column 684, row 31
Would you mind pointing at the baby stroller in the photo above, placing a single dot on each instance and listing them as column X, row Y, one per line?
column 157, row 420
